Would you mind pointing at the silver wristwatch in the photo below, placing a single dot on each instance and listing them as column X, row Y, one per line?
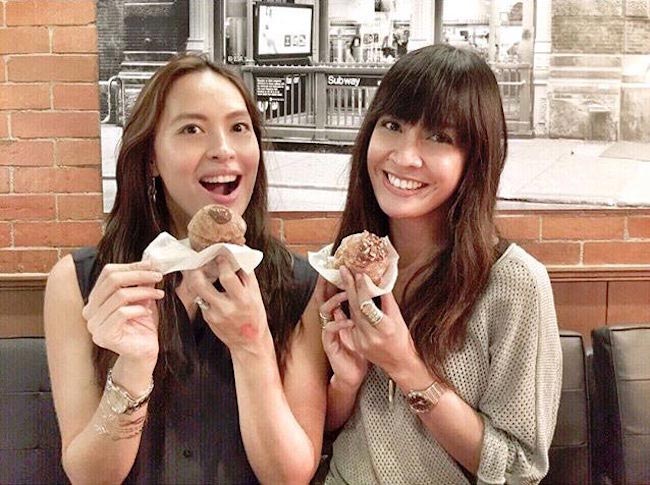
column 424, row 401
column 120, row 401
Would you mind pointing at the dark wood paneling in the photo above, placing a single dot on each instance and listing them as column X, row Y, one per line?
column 628, row 302
column 21, row 305
column 581, row 305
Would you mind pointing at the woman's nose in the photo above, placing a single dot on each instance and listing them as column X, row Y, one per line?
column 220, row 147
column 407, row 156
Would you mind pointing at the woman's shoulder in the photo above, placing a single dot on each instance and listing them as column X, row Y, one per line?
column 74, row 269
column 518, row 297
column 516, row 267
column 62, row 271
column 62, row 294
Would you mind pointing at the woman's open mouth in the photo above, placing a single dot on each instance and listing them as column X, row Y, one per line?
column 221, row 184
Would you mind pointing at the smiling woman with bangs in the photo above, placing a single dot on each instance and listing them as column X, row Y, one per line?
column 456, row 379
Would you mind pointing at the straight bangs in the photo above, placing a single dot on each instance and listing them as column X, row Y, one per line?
column 444, row 93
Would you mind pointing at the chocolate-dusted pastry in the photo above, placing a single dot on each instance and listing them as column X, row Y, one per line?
column 215, row 224
column 363, row 252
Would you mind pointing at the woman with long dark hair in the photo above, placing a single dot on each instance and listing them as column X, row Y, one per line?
column 457, row 376
column 167, row 379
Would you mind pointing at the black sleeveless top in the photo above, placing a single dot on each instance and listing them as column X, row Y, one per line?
column 192, row 431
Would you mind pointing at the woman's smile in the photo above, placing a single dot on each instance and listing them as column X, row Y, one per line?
column 403, row 184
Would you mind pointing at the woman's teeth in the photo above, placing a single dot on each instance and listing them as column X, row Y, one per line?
column 403, row 184
column 220, row 184
column 219, row 179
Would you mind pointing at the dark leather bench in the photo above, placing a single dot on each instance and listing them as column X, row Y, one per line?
column 569, row 456
column 30, row 447
column 621, row 367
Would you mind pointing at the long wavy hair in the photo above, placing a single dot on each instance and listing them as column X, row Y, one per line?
column 137, row 218
column 440, row 86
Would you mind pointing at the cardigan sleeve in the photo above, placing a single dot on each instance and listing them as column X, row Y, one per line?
column 520, row 402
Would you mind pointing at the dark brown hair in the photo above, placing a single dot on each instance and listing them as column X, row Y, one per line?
column 440, row 86
column 136, row 220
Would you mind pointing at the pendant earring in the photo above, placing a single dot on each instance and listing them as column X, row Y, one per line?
column 152, row 191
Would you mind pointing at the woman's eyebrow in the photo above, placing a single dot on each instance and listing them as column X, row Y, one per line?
column 188, row 116
column 238, row 113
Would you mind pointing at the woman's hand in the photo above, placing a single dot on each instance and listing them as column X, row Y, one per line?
column 121, row 313
column 388, row 344
column 349, row 366
column 237, row 315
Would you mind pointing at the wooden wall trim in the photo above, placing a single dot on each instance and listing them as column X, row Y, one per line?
column 21, row 304
column 22, row 281
column 598, row 273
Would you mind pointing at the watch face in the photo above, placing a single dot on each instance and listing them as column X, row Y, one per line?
column 419, row 403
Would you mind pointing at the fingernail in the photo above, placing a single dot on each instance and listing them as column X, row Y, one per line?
column 158, row 277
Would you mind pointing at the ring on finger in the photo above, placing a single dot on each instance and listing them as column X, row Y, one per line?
column 201, row 303
column 371, row 313
column 324, row 319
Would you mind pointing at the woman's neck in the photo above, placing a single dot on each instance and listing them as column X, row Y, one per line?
column 417, row 240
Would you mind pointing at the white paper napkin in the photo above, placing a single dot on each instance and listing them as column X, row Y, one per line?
column 170, row 254
column 321, row 261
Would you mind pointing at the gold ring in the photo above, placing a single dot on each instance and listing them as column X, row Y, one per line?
column 370, row 311
column 201, row 303
column 324, row 320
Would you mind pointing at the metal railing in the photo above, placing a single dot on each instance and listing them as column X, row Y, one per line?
column 326, row 102
column 515, row 84
column 119, row 105
column 329, row 102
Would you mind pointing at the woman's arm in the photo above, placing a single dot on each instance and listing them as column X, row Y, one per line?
column 452, row 422
column 283, row 431
column 88, row 456
column 281, row 421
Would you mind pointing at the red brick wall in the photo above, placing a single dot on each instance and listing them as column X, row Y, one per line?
column 50, row 167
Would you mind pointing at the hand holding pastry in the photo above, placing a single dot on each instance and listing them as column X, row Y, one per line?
column 363, row 253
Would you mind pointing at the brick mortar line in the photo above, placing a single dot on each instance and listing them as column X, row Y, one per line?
column 586, row 240
column 51, row 54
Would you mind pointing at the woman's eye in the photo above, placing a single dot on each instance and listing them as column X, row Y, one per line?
column 391, row 125
column 441, row 137
column 191, row 129
column 239, row 127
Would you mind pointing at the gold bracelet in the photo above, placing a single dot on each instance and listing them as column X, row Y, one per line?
column 118, row 426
